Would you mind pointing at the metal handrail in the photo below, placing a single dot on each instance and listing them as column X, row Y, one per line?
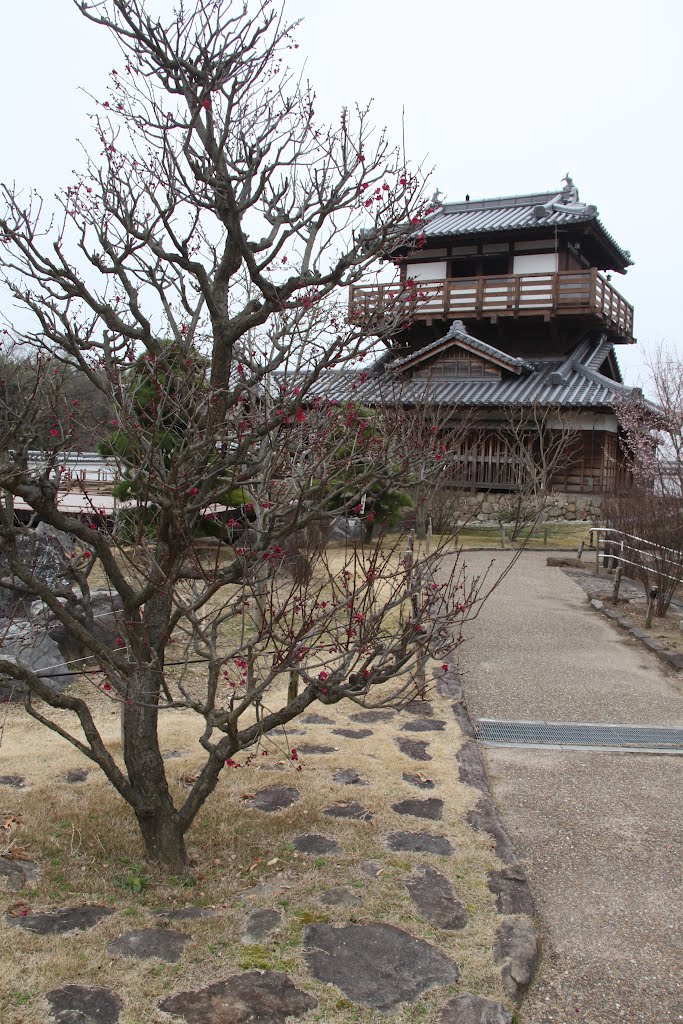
column 613, row 556
column 632, row 536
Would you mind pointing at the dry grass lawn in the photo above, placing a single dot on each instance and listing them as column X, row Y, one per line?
column 86, row 843
column 667, row 630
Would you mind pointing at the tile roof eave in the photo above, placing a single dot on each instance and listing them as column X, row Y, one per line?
column 541, row 225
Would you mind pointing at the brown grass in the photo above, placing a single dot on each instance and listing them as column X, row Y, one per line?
column 84, row 838
column 666, row 629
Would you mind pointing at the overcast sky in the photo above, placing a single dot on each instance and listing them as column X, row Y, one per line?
column 501, row 97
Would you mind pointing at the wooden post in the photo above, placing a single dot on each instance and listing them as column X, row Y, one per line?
column 545, row 536
column 592, row 297
column 650, row 611
column 617, row 584
column 293, row 688
column 581, row 547
column 502, row 535
column 428, row 541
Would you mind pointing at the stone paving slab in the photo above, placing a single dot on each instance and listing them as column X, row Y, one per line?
column 348, row 809
column 433, row 895
column 419, row 842
column 469, row 1009
column 260, row 924
column 76, row 1004
column 316, row 845
column 60, row 922
column 418, row 780
column 376, row 965
column 415, row 749
column 255, row 997
column 424, row 725
column 150, row 944
column 273, row 798
column 18, row 873
column 431, row 808
column 349, row 777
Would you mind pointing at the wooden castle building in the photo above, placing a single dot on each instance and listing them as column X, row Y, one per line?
column 511, row 311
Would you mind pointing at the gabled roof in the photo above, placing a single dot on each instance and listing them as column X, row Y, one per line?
column 570, row 383
column 536, row 212
column 458, row 337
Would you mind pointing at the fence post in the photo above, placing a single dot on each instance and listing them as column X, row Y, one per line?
column 651, row 603
column 617, row 584
column 581, row 547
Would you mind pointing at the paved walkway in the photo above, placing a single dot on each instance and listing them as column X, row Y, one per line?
column 601, row 834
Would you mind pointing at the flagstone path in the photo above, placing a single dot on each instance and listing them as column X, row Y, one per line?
column 375, row 965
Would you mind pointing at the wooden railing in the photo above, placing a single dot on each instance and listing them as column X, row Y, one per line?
column 564, row 293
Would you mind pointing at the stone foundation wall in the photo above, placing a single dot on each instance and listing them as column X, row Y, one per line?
column 483, row 507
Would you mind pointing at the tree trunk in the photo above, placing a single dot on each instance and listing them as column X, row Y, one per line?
column 163, row 838
column 153, row 806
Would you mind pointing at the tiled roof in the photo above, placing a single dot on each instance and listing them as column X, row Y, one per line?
column 457, row 335
column 510, row 213
column 568, row 383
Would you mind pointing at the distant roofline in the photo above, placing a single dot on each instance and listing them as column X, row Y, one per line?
column 499, row 202
column 559, row 204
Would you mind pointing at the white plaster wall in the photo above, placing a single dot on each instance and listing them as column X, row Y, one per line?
column 535, row 263
column 426, row 271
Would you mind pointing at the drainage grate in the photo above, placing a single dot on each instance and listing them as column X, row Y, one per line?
column 579, row 734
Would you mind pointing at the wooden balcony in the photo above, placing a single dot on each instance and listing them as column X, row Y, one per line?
column 564, row 293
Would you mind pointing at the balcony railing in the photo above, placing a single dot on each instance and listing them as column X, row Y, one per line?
column 564, row 293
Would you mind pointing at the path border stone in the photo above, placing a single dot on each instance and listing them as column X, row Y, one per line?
column 484, row 816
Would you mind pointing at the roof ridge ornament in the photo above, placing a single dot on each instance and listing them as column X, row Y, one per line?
column 436, row 200
column 566, row 201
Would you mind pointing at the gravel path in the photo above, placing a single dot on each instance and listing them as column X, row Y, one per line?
column 601, row 834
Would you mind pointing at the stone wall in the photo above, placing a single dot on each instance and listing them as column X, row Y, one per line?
column 484, row 507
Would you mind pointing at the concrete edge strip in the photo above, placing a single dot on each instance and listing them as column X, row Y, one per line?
column 517, row 947
column 600, row 750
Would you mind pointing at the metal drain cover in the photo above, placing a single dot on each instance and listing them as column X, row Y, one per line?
column 579, row 735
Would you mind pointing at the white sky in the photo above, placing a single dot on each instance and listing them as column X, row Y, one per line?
column 501, row 96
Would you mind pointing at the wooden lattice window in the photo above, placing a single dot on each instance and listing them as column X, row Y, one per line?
column 458, row 368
